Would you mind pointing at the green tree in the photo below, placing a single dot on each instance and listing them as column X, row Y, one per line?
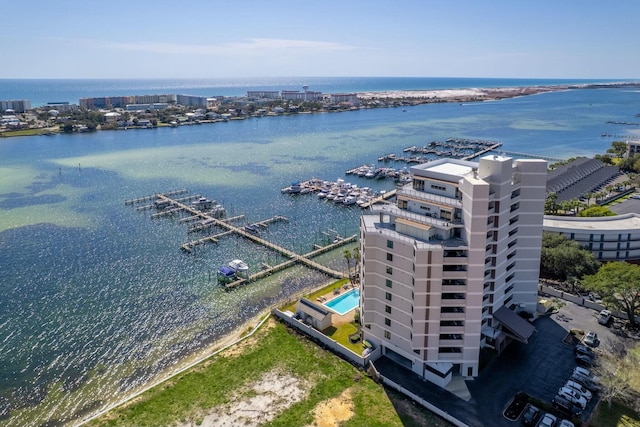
column 356, row 257
column 619, row 285
column 616, row 370
column 550, row 205
column 347, row 256
column 596, row 211
column 562, row 258
column 618, row 149
column 67, row 127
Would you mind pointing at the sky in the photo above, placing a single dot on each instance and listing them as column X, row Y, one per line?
column 553, row 39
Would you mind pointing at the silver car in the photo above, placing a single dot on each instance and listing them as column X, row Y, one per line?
column 573, row 396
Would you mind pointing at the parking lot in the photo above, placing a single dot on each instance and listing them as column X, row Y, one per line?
column 538, row 369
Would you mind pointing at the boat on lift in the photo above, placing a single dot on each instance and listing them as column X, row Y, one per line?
column 240, row 268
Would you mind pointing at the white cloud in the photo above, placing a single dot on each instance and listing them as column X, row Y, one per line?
column 255, row 45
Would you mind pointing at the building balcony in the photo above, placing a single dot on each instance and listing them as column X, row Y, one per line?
column 452, row 316
column 431, row 198
column 452, row 329
column 454, row 260
column 445, row 357
column 452, row 302
column 454, row 274
column 450, row 343
column 454, row 288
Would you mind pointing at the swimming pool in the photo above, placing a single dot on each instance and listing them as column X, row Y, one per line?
column 345, row 302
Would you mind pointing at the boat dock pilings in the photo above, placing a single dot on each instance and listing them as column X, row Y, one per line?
column 484, row 151
column 295, row 259
column 154, row 197
column 225, row 224
column 380, row 198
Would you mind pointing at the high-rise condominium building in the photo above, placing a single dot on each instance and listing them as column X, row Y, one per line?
column 454, row 266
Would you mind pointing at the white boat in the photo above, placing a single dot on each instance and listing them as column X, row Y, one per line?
column 350, row 200
column 240, row 268
column 294, row 188
column 340, row 197
column 203, row 203
column 322, row 195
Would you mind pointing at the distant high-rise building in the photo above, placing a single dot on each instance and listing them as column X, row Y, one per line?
column 451, row 267
column 17, row 105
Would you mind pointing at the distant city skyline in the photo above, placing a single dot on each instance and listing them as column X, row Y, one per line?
column 160, row 39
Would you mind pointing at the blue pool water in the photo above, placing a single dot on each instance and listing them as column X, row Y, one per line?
column 345, row 302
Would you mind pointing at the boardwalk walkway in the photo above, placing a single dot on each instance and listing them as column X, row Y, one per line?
column 176, row 205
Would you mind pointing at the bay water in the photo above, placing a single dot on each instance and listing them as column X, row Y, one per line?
column 97, row 299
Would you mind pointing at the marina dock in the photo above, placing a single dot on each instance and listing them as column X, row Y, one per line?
column 166, row 205
column 295, row 258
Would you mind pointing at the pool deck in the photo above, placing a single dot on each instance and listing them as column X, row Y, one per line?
column 338, row 319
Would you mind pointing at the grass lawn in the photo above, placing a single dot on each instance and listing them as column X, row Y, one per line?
column 227, row 377
column 617, row 416
column 27, row 132
column 341, row 335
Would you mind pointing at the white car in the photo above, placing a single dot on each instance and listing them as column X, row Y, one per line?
column 604, row 317
column 566, row 423
column 579, row 388
column 547, row 420
column 584, row 371
column 573, row 396
column 591, row 338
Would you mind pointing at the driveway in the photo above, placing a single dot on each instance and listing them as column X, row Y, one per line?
column 539, row 369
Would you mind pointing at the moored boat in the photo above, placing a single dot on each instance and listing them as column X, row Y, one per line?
column 251, row 229
column 226, row 274
column 240, row 268
column 350, row 200
column 203, row 203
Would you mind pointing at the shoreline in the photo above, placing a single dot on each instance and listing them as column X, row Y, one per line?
column 369, row 100
column 484, row 94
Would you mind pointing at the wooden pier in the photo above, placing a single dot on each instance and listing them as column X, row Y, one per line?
column 155, row 197
column 381, row 198
column 176, row 206
column 483, row 151
column 295, row 258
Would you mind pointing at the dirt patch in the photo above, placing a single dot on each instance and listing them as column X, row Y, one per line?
column 334, row 411
column 239, row 348
column 258, row 403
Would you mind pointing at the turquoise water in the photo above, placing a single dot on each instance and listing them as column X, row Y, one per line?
column 98, row 299
column 345, row 302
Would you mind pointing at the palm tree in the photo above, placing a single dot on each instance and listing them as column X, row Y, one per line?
column 356, row 257
column 347, row 256
column 588, row 196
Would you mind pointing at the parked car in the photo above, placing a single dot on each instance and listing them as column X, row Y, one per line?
column 547, row 420
column 586, row 382
column 573, row 396
column 531, row 415
column 586, row 372
column 590, row 338
column 565, row 406
column 604, row 317
column 584, row 360
column 583, row 349
column 579, row 388
column 594, row 297
column 566, row 423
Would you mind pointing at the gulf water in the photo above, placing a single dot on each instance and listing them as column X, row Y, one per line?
column 97, row 299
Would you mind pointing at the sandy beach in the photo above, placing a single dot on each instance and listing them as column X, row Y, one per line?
column 460, row 95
